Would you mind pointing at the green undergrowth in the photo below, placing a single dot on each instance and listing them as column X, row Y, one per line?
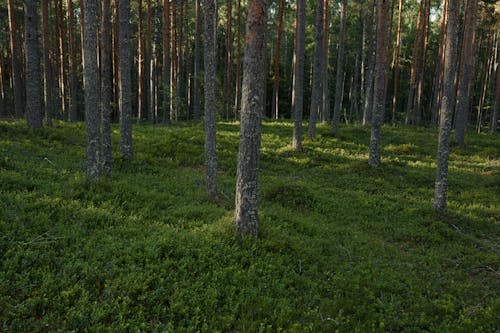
column 343, row 246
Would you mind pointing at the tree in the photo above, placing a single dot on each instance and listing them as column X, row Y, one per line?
column 496, row 108
column 106, row 85
column 246, row 208
column 210, row 21
column 33, row 103
column 73, row 79
column 125, row 82
column 229, row 60
column 166, row 62
column 370, row 77
column 379, row 84
column 339, row 80
column 316, row 93
column 47, row 75
column 298, row 75
column 91, row 90
column 447, row 103
column 140, row 64
column 396, row 63
column 276, row 82
column 17, row 64
column 238, row 64
column 196, row 88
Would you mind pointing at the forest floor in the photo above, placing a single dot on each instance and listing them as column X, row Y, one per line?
column 343, row 246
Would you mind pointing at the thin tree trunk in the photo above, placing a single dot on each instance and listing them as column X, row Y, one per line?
column 148, row 56
column 339, row 81
column 325, row 108
column 298, row 77
column 196, row 88
column 466, row 71
column 166, row 62
column 17, row 64
column 276, row 82
column 316, row 92
column 125, row 86
column 3, row 113
column 33, row 82
column 238, row 65
column 62, row 60
column 229, row 60
column 484, row 90
column 246, row 208
column 106, row 85
column 396, row 64
column 73, row 79
column 447, row 102
column 437, row 90
column 496, row 108
column 354, row 107
column 116, row 59
column 82, row 33
column 140, row 65
column 417, row 114
column 370, row 77
column 210, row 40
column 47, row 75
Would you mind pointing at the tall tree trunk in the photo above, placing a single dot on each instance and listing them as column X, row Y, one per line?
column 148, row 56
column 140, row 64
column 370, row 77
column 466, row 71
column 106, row 85
column 379, row 84
column 47, row 75
column 276, row 82
column 82, row 33
column 446, row 107
column 228, row 98
column 238, row 65
column 316, row 92
column 496, row 108
column 325, row 107
column 3, row 112
column 91, row 90
column 33, row 82
column 354, row 107
column 417, row 114
column 396, row 63
column 488, row 63
column 210, row 40
column 196, row 88
column 339, row 80
column 125, row 86
column 166, row 62
column 73, row 79
column 17, row 64
column 116, row 59
column 298, row 76
column 62, row 59
column 437, row 90
column 246, row 209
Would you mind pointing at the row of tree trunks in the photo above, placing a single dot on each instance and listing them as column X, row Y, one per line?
column 276, row 82
column 339, row 80
column 396, row 63
column 298, row 74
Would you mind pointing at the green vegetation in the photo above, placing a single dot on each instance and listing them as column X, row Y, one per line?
column 344, row 247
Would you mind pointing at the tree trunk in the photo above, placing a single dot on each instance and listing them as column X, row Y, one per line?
column 73, row 79
column 17, row 64
column 238, row 65
column 116, row 59
column 466, row 69
column 148, row 56
column 276, row 82
column 325, row 107
column 106, row 85
column 125, row 86
column 82, row 33
column 196, row 83
column 488, row 63
column 62, row 60
column 446, row 108
column 354, row 107
column 33, row 103
column 228, row 98
column 379, row 84
column 210, row 40
column 339, row 80
column 417, row 114
column 370, row 77
column 166, row 62
column 496, row 108
column 437, row 90
column 47, row 75
column 3, row 113
column 91, row 90
column 140, row 65
column 298, row 76
column 246, row 208
column 396, row 63
column 316, row 93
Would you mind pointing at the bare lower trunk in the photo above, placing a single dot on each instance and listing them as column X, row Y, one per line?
column 73, row 79
column 106, row 85
column 47, row 75
column 340, row 68
column 196, row 83
column 17, row 63
column 33, row 82
column 298, row 77
column 166, row 62
column 125, row 85
column 370, row 77
column 276, row 82
column 396, row 63
column 496, row 109
column 238, row 66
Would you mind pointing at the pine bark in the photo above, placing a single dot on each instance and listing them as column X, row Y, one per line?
column 73, row 79
column 210, row 41
column 17, row 64
column 437, row 90
column 140, row 63
column 446, row 108
column 496, row 108
column 466, row 71
column 339, row 80
column 316, row 93
column 379, row 84
column 148, row 70
column 396, row 63
column 325, row 107
column 125, row 85
column 246, row 208
column 47, row 75
column 370, row 77
column 196, row 83
column 276, row 82
column 62, row 60
column 166, row 62
column 238, row 65
column 228, row 98
column 33, row 81
column 298, row 77
column 106, row 85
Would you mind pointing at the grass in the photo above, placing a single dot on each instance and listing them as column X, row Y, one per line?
column 343, row 246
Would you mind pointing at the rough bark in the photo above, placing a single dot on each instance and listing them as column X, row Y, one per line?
column 446, row 108
column 339, row 80
column 316, row 93
column 106, row 85
column 396, row 63
column 246, row 208
column 228, row 98
column 276, row 82
column 62, row 60
column 33, row 82
column 379, row 84
column 73, row 79
column 298, row 77
column 325, row 107
column 210, row 40
column 17, row 64
column 466, row 69
column 496, row 108
column 196, row 83
column 140, row 64
column 47, row 75
column 125, row 85
column 370, row 77
column 166, row 62
column 148, row 64
column 238, row 65
column 438, row 75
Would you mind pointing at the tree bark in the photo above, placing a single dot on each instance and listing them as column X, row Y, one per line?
column 276, row 82
column 140, row 64
column 196, row 83
column 370, row 77
column 3, row 113
column 148, row 64
column 62, row 60
column 466, row 71
column 228, row 98
column 17, row 64
column 125, row 86
column 210, row 40
column 106, row 85
column 47, row 75
column 379, row 89
column 238, row 65
column 298, row 76
column 446, row 108
column 325, row 107
column 437, row 90
column 246, row 208
column 316, row 93
column 166, row 62
column 396, row 63
column 33, row 82
column 73, row 79
column 496, row 108
column 339, row 80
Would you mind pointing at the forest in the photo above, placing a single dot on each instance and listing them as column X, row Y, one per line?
column 249, row 166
